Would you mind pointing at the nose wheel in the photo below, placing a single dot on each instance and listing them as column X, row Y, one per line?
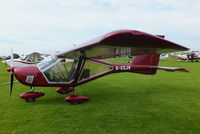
column 31, row 96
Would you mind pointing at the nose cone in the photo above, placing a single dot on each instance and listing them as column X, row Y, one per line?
column 26, row 75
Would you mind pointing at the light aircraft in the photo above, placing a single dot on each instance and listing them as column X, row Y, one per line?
column 189, row 56
column 164, row 56
column 85, row 63
column 182, row 57
column 28, row 60
column 15, row 56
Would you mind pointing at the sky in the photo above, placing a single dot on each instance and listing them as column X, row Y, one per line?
column 55, row 25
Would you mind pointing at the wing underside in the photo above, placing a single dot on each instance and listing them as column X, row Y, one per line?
column 123, row 43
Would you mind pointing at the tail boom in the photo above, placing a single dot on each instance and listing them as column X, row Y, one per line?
column 145, row 64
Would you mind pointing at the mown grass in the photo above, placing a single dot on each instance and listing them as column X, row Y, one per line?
column 125, row 103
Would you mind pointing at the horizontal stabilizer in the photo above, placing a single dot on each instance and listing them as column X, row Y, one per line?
column 172, row 69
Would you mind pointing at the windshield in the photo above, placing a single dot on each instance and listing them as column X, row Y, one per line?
column 59, row 69
column 47, row 62
column 23, row 57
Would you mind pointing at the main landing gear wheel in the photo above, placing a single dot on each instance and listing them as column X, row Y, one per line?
column 31, row 96
column 64, row 90
column 30, row 100
column 76, row 99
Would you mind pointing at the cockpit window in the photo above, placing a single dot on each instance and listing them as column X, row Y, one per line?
column 23, row 57
column 47, row 62
column 92, row 69
column 59, row 70
column 34, row 58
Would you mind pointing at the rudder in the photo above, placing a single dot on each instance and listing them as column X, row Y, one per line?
column 151, row 60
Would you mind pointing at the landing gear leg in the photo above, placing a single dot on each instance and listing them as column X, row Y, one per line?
column 33, row 89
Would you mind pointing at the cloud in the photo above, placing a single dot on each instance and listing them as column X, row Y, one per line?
column 58, row 24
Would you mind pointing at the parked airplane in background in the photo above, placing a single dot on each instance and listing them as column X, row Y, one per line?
column 164, row 56
column 189, row 56
column 84, row 63
column 28, row 60
column 15, row 56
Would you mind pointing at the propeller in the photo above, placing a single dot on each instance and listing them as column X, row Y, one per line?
column 11, row 73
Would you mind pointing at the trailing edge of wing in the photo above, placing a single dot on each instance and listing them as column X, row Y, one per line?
column 123, row 42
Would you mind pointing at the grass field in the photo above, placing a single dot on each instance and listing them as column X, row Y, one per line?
column 125, row 103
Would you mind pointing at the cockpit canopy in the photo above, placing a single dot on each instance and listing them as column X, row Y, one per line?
column 34, row 57
column 58, row 69
column 63, row 70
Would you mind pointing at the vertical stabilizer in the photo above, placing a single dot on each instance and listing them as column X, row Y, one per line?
column 151, row 60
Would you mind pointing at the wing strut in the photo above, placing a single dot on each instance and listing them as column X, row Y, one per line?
column 76, row 99
column 81, row 63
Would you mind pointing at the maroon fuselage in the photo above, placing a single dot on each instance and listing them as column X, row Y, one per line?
column 22, row 74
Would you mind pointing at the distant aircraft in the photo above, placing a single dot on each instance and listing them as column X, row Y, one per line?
column 164, row 56
column 28, row 60
column 15, row 56
column 85, row 63
column 189, row 56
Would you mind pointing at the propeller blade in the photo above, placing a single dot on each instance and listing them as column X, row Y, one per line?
column 11, row 82
column 11, row 73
